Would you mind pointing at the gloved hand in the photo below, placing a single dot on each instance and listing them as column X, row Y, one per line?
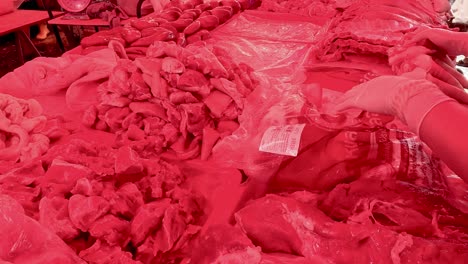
column 438, row 66
column 451, row 42
column 410, row 98
column 441, row 6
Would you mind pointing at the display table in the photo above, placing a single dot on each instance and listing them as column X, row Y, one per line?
column 358, row 186
column 21, row 20
column 95, row 22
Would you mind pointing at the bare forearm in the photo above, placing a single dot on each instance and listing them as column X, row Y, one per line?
column 462, row 38
column 445, row 131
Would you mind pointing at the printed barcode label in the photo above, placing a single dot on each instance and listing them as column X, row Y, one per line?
column 282, row 140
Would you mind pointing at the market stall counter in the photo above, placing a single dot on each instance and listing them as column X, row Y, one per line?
column 18, row 22
column 204, row 134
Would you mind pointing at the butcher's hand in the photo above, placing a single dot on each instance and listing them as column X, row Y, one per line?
column 405, row 97
column 453, row 43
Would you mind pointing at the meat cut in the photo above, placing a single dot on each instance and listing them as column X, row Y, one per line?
column 105, row 203
column 42, row 245
column 180, row 22
column 321, row 8
column 107, row 11
column 295, row 226
column 373, row 194
column 360, row 27
column 330, row 8
column 25, row 133
column 165, row 103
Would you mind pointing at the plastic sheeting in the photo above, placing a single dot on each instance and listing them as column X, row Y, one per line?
column 285, row 57
column 291, row 80
column 277, row 59
column 250, row 40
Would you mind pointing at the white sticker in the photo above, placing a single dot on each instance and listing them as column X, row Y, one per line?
column 282, row 140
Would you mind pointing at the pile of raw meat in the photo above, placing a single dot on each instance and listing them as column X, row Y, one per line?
column 25, row 133
column 325, row 9
column 181, row 22
column 176, row 102
column 293, row 228
column 109, row 205
column 118, row 196
column 372, row 27
column 360, row 190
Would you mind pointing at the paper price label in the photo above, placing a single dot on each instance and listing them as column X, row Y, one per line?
column 282, row 140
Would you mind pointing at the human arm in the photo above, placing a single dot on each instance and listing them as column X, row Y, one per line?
column 445, row 130
column 451, row 42
column 438, row 118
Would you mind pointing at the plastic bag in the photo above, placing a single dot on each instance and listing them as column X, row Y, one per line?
column 333, row 149
column 271, row 104
column 273, row 44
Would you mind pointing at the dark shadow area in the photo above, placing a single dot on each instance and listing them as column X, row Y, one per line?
column 9, row 58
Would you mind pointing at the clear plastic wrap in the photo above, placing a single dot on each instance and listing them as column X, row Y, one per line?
column 273, row 44
column 333, row 148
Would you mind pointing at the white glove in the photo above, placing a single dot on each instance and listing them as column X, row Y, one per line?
column 451, row 42
column 407, row 98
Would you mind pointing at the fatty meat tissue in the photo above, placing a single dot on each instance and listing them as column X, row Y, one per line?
column 134, row 149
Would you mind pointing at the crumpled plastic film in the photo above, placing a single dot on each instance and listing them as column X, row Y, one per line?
column 266, row 106
column 272, row 43
column 271, row 26
column 275, row 46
